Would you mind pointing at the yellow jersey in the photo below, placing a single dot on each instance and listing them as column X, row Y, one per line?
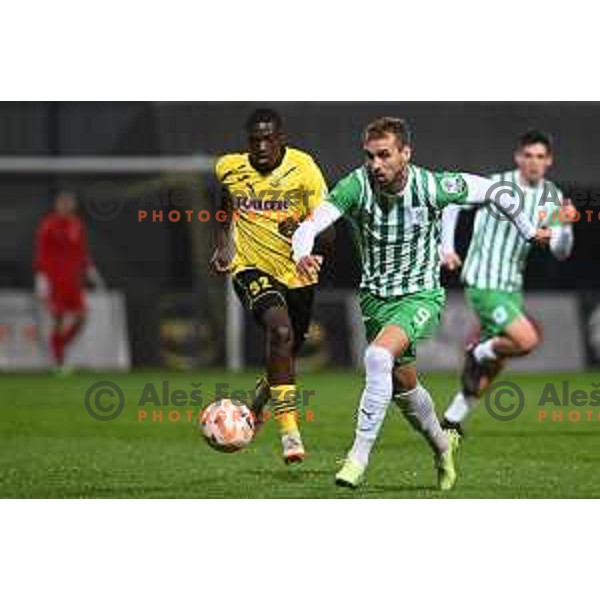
column 268, row 208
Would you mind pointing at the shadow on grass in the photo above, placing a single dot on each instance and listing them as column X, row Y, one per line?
column 325, row 478
column 541, row 433
column 384, row 490
column 296, row 474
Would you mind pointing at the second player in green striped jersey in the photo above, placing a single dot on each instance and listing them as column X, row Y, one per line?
column 497, row 255
column 494, row 270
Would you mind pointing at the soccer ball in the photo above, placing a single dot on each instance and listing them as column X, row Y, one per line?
column 226, row 426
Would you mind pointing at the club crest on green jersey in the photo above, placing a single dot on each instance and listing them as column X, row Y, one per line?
column 453, row 185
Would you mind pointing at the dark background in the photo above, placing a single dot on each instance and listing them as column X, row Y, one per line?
column 151, row 262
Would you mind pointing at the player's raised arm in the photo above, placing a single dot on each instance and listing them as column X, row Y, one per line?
column 483, row 190
column 467, row 189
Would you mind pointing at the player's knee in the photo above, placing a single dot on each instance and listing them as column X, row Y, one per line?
column 529, row 340
column 378, row 360
column 281, row 336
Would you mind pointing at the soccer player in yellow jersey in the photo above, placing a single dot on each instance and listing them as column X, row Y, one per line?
column 268, row 192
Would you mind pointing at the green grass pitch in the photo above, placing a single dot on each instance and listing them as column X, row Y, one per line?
column 51, row 448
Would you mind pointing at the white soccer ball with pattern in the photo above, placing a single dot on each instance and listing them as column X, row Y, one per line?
column 227, row 426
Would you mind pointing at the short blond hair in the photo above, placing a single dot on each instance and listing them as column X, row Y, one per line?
column 386, row 126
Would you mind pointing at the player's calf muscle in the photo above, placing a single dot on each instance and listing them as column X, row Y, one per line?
column 493, row 371
column 280, row 344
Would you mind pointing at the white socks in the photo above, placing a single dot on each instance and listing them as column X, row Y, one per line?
column 417, row 406
column 485, row 351
column 419, row 410
column 460, row 408
column 374, row 403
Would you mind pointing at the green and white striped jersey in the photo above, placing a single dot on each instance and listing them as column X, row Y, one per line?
column 497, row 255
column 399, row 234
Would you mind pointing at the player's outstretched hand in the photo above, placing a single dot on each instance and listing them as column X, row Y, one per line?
column 309, row 266
column 568, row 211
column 542, row 238
column 220, row 262
column 451, row 261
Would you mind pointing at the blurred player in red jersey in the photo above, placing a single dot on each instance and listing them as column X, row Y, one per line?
column 62, row 268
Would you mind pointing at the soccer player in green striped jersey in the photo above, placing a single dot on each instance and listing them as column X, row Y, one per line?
column 494, row 267
column 395, row 209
